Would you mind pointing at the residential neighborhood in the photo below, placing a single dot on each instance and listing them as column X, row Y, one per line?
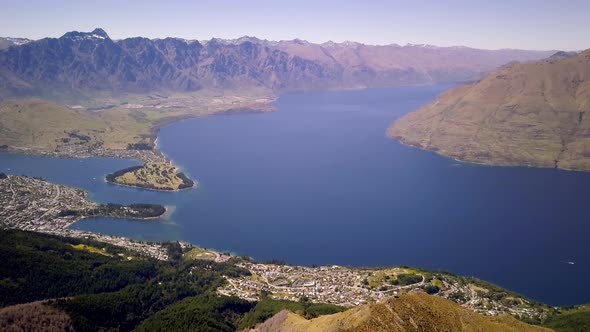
column 33, row 204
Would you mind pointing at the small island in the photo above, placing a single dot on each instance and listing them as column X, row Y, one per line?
column 152, row 175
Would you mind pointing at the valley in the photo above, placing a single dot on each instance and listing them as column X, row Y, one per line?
column 304, row 214
column 241, row 161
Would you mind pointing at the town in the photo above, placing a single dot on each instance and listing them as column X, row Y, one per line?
column 349, row 287
column 33, row 204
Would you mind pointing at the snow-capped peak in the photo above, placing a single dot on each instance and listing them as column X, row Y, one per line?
column 17, row 41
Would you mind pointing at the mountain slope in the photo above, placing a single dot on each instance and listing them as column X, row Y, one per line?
column 80, row 64
column 523, row 114
column 409, row 312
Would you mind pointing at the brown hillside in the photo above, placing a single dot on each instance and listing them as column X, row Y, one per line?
column 533, row 114
column 409, row 312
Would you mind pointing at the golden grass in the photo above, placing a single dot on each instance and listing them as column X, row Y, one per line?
column 438, row 283
column 91, row 249
column 199, row 254
column 409, row 312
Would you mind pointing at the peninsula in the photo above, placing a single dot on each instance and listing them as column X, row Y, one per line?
column 122, row 131
column 155, row 176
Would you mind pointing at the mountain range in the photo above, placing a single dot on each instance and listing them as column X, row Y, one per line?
column 78, row 65
column 533, row 114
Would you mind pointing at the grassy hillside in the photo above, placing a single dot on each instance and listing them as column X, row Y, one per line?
column 267, row 307
column 409, row 312
column 47, row 126
column 114, row 123
column 575, row 319
column 524, row 114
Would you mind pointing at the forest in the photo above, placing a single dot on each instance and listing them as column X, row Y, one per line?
column 104, row 287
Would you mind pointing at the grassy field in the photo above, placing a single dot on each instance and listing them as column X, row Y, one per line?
column 393, row 276
column 199, row 253
column 91, row 249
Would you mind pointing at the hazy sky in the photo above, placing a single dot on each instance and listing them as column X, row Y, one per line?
column 530, row 24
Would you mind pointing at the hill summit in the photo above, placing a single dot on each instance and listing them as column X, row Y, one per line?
column 409, row 312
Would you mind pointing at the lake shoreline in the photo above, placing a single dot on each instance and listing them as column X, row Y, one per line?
column 322, row 170
column 401, row 141
column 143, row 155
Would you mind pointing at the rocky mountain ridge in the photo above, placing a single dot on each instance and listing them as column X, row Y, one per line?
column 79, row 64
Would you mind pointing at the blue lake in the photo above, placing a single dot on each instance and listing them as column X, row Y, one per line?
column 318, row 182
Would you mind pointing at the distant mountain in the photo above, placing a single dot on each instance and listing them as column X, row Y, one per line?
column 368, row 65
column 533, row 114
column 409, row 312
column 84, row 63
column 6, row 42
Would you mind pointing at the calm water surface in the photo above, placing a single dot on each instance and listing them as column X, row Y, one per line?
column 319, row 183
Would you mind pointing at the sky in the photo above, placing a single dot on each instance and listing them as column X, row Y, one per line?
column 524, row 24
